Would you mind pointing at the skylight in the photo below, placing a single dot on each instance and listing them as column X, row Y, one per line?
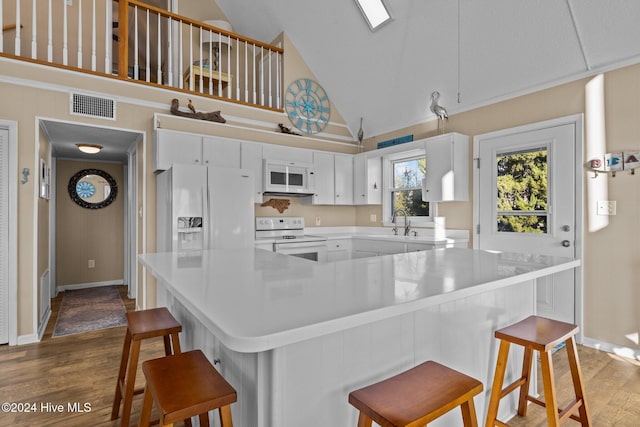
column 375, row 12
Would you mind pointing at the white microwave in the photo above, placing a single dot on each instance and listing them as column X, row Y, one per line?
column 289, row 177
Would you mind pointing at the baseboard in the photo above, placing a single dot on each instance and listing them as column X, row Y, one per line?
column 90, row 285
column 43, row 325
column 27, row 339
column 619, row 350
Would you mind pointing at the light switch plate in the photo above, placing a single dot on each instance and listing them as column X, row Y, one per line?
column 373, row 217
column 606, row 207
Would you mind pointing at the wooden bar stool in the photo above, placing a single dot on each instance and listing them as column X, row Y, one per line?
column 541, row 334
column 184, row 386
column 141, row 325
column 417, row 397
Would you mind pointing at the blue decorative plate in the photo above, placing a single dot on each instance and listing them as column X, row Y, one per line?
column 85, row 189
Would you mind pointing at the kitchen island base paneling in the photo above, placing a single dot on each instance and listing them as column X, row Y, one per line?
column 308, row 382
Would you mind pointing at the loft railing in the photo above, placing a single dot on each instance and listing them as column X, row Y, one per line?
column 140, row 42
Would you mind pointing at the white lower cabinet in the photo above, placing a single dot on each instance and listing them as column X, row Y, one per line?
column 339, row 249
column 417, row 247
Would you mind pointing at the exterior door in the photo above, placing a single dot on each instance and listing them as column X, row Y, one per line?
column 4, row 236
column 526, row 202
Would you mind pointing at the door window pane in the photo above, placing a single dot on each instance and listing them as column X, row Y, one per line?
column 522, row 191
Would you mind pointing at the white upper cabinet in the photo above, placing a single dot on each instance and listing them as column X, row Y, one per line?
column 289, row 154
column 324, row 169
column 251, row 158
column 175, row 147
column 343, row 176
column 221, row 152
column 367, row 179
column 447, row 161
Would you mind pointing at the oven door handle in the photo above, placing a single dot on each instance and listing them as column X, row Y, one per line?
column 296, row 245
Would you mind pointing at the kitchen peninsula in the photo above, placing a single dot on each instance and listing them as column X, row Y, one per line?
column 294, row 337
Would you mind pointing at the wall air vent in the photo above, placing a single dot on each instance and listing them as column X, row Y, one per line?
column 92, row 106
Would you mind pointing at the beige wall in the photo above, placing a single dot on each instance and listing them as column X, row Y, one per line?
column 88, row 234
column 611, row 257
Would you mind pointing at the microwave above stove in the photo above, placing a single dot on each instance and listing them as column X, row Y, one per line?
column 289, row 177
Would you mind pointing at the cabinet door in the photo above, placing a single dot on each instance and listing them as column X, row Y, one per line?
column 374, row 180
column 360, row 179
column 290, row 154
column 251, row 158
column 323, row 164
column 171, row 147
column 220, row 152
column 343, row 179
column 447, row 161
column 367, row 180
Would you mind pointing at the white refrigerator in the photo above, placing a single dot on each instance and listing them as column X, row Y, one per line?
column 200, row 207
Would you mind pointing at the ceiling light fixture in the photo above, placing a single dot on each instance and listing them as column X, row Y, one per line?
column 375, row 12
column 89, row 148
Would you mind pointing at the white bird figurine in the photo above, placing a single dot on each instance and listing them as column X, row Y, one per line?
column 438, row 110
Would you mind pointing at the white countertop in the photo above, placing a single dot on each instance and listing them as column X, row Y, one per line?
column 254, row 300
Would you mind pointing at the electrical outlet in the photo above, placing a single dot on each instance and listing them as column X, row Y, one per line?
column 92, row 263
column 373, row 217
column 318, row 220
column 606, row 207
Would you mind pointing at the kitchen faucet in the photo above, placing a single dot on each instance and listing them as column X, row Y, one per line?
column 407, row 225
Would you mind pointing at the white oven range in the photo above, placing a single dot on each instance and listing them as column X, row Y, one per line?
column 287, row 236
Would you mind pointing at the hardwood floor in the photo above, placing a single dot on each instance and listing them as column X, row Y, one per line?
column 82, row 369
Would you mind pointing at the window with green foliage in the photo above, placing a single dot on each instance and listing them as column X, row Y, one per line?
column 522, row 191
column 406, row 193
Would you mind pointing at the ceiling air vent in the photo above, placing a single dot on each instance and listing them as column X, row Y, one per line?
column 92, row 106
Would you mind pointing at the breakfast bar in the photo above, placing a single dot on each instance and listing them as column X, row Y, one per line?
column 294, row 337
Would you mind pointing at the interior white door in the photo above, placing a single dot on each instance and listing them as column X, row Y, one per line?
column 4, row 236
column 527, row 203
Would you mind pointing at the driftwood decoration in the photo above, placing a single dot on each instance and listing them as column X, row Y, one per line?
column 284, row 129
column 213, row 116
column 280, row 205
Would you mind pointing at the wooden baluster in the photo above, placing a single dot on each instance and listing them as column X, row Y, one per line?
column 94, row 37
column 191, row 82
column 237, row 69
column 170, row 51
column 201, row 62
column 148, row 52
column 261, row 75
column 278, row 88
column 123, row 38
column 219, row 65
column 65, row 35
column 246, row 73
column 270, row 80
column 136, row 43
column 159, row 49
column 79, row 64
column 108, row 37
column 50, row 33
column 17, row 39
column 230, row 95
column 180, row 56
column 34, row 24
column 210, row 63
column 253, row 74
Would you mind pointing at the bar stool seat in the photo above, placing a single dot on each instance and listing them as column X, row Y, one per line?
column 417, row 397
column 541, row 334
column 141, row 325
column 183, row 386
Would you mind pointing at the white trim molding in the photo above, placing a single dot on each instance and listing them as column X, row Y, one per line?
column 90, row 285
column 619, row 350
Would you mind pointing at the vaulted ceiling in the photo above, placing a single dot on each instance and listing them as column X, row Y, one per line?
column 483, row 50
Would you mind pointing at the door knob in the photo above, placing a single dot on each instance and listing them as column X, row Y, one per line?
column 565, row 228
column 566, row 243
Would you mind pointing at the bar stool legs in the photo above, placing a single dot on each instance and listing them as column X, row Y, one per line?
column 540, row 334
column 144, row 324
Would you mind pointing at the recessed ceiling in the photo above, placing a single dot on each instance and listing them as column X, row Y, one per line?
column 472, row 52
column 63, row 138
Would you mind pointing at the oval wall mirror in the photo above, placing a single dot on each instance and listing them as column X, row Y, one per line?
column 92, row 188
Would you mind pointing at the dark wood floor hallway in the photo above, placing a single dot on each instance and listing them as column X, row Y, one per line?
column 81, row 369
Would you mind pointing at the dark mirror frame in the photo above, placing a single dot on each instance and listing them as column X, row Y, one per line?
column 83, row 203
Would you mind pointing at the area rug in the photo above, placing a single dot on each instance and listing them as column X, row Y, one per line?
column 90, row 309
